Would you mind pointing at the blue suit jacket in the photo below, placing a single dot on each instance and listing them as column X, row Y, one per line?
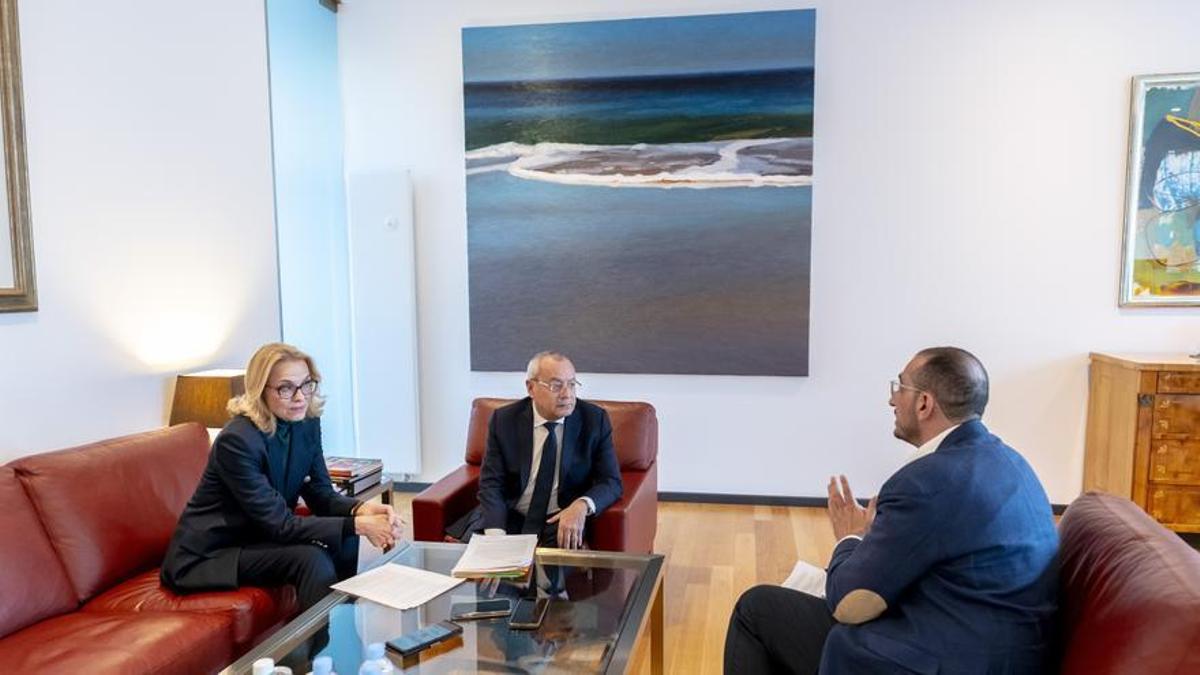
column 247, row 496
column 588, row 466
column 963, row 550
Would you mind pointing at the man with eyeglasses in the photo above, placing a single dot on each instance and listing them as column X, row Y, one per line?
column 950, row 569
column 549, row 462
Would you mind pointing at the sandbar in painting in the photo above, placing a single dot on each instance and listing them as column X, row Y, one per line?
column 639, row 193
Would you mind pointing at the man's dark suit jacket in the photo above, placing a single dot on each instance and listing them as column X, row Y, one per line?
column 587, row 468
column 244, row 498
column 963, row 551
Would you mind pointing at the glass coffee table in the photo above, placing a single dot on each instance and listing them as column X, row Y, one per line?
column 601, row 605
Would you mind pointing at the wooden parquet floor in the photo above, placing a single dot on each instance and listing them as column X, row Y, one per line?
column 714, row 553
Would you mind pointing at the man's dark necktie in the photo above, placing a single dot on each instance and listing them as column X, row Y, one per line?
column 535, row 518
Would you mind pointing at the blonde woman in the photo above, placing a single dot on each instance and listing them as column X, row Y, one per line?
column 239, row 528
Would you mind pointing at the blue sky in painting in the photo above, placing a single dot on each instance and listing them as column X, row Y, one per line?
column 636, row 47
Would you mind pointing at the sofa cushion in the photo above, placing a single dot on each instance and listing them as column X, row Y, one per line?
column 110, row 508
column 34, row 581
column 91, row 642
column 1130, row 591
column 251, row 610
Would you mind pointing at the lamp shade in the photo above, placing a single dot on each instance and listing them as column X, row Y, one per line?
column 202, row 396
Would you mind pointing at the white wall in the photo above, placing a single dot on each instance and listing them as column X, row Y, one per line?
column 970, row 159
column 149, row 168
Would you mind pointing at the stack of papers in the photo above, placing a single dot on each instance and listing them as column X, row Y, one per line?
column 498, row 555
column 397, row 586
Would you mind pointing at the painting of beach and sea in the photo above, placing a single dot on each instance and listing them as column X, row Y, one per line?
column 1162, row 203
column 639, row 193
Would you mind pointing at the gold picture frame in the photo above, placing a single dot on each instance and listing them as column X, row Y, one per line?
column 18, row 292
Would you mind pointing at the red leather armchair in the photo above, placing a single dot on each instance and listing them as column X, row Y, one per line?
column 628, row 525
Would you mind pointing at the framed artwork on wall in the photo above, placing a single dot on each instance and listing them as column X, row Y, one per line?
column 1160, row 260
column 17, row 289
column 639, row 192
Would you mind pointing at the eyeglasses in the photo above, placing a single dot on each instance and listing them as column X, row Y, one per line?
column 897, row 385
column 287, row 390
column 556, row 386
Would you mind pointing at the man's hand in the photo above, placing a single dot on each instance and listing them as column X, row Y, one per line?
column 376, row 527
column 377, row 509
column 570, row 524
column 846, row 516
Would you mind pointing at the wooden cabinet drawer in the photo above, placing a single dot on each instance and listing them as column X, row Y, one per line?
column 1175, row 460
column 1178, row 383
column 1174, row 506
column 1176, row 415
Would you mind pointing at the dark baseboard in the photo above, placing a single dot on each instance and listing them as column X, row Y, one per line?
column 410, row 487
column 766, row 500
column 715, row 498
column 752, row 500
column 1192, row 539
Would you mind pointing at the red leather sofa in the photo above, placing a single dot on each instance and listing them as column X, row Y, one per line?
column 1130, row 592
column 628, row 525
column 84, row 532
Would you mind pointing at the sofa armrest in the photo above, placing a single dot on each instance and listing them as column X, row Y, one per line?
column 1122, row 574
column 444, row 502
column 631, row 523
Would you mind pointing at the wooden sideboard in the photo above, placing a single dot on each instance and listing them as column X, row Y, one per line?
column 1143, row 434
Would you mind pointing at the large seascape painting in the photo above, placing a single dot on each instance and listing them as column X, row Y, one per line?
column 639, row 193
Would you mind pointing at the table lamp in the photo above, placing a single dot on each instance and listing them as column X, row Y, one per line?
column 202, row 396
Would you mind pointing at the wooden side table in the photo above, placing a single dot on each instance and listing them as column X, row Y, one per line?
column 1143, row 434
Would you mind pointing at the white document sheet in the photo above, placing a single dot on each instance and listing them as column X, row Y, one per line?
column 397, row 586
column 806, row 578
column 496, row 553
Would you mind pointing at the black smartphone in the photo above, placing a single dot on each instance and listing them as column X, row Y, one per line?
column 529, row 613
column 411, row 643
column 480, row 609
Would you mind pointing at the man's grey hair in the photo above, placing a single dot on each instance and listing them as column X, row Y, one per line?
column 535, row 363
column 955, row 379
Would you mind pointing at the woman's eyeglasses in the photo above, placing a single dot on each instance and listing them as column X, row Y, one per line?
column 287, row 390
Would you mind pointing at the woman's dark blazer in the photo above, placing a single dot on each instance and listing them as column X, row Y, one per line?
column 244, row 499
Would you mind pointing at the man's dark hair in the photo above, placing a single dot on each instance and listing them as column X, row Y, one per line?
column 955, row 379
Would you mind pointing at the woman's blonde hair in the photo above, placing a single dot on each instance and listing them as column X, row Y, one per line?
column 258, row 371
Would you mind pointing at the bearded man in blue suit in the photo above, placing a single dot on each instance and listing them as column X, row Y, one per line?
column 951, row 569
